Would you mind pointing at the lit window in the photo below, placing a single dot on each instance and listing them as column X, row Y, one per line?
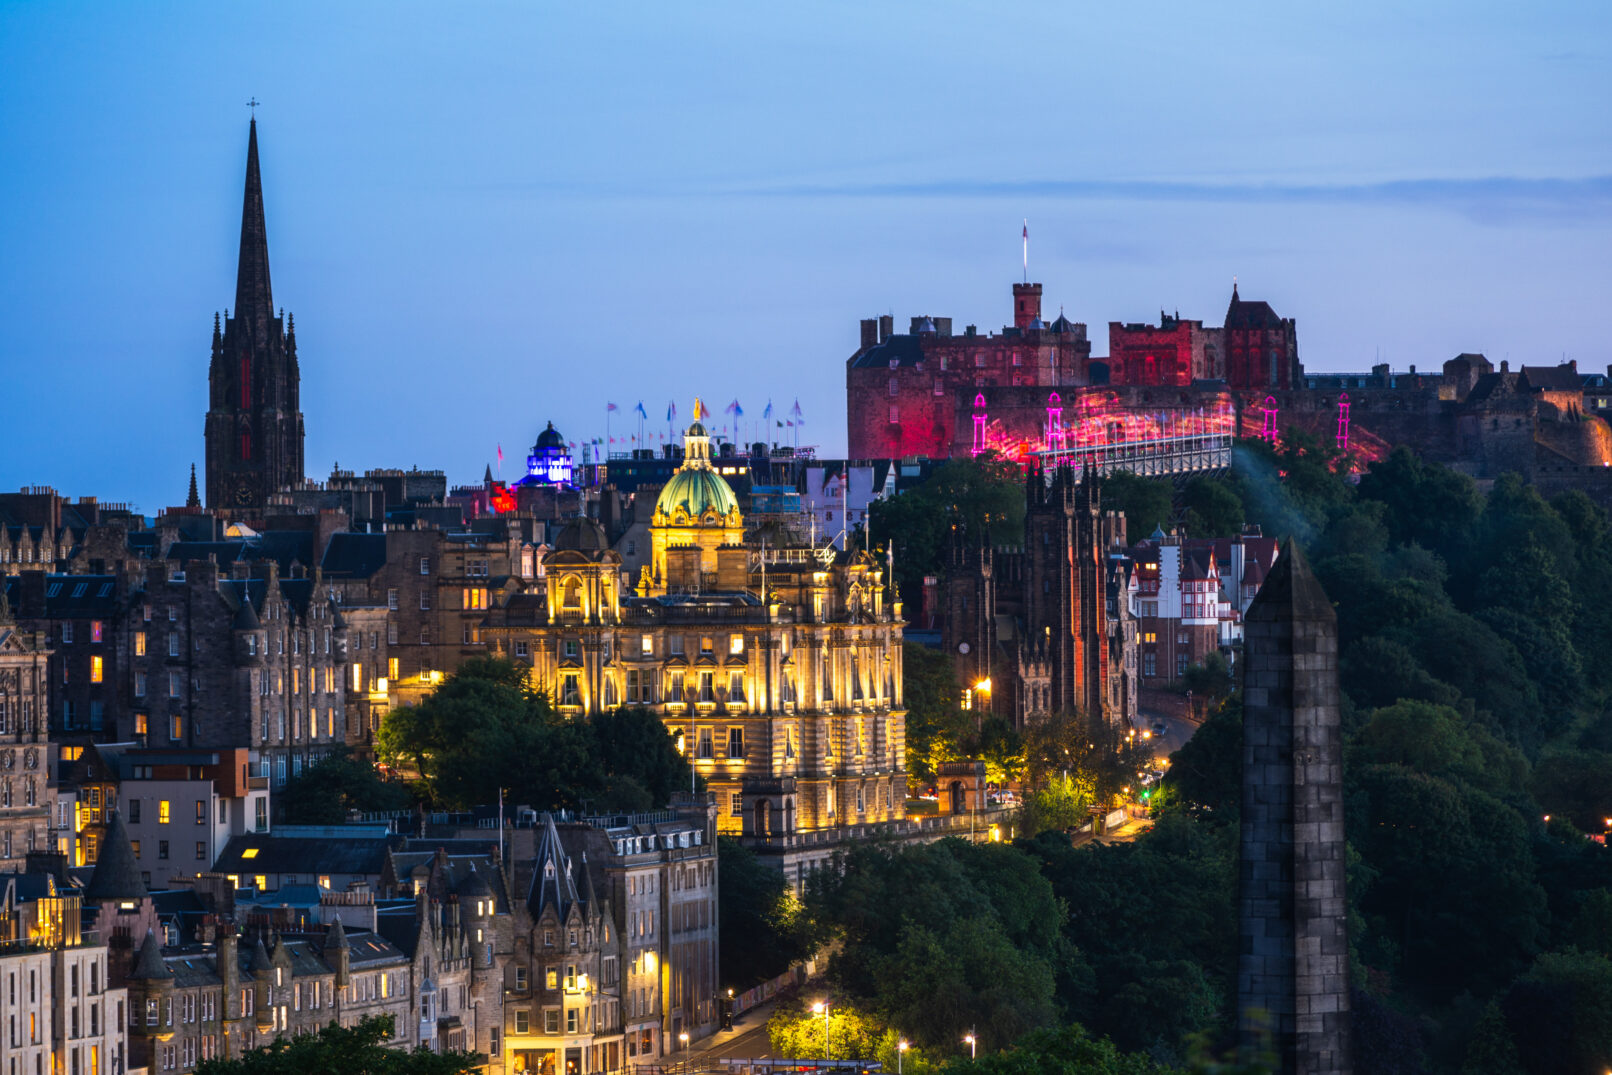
column 96, row 669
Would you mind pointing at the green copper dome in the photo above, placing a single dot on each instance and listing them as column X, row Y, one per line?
column 696, row 490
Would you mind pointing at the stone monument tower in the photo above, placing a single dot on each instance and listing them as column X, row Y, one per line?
column 1293, row 954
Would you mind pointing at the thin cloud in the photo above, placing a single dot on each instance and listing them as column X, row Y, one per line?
column 1492, row 198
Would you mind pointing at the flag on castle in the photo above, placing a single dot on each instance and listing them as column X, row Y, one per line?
column 611, row 407
column 640, row 409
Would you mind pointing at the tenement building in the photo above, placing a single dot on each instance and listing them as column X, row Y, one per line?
column 62, row 1012
column 777, row 668
column 27, row 755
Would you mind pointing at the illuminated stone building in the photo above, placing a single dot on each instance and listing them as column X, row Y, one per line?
column 562, row 1009
column 900, row 389
column 778, row 669
column 62, row 1012
column 27, row 754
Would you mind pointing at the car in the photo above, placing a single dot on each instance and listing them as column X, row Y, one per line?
column 1158, row 727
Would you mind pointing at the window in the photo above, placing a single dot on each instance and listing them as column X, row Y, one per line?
column 1180, row 664
column 707, row 688
column 391, row 600
column 133, row 806
column 201, row 812
column 176, row 727
column 736, row 645
column 67, row 633
column 425, row 600
column 570, row 691
column 139, row 684
column 895, row 415
column 139, row 643
column 96, row 669
column 201, row 851
column 736, row 804
column 162, row 849
column 522, row 650
column 735, row 742
column 674, row 644
column 174, row 682
column 706, row 748
column 425, row 565
column 163, row 814
column 551, row 1020
column 570, row 1020
column 569, row 648
column 1150, row 663
column 173, row 643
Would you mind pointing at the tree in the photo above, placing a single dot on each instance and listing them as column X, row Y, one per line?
column 1146, row 502
column 325, row 792
column 356, row 1050
column 486, row 728
column 1206, row 774
column 943, row 935
column 984, row 496
column 1211, row 508
column 1559, row 1014
column 762, row 931
column 936, row 723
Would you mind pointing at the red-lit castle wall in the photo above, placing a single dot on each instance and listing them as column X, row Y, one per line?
column 901, row 389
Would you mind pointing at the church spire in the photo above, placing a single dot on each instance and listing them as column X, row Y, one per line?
column 193, row 500
column 253, row 299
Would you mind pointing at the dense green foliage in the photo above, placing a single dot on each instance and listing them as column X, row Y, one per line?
column 486, row 728
column 339, row 1050
column 322, row 794
column 978, row 496
column 1481, row 930
column 762, row 932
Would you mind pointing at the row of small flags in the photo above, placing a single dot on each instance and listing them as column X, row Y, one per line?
column 700, row 411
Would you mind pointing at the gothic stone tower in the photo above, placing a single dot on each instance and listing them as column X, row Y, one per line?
column 1293, row 955
column 1065, row 600
column 254, row 421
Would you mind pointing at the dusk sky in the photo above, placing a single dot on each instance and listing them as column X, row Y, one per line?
column 485, row 217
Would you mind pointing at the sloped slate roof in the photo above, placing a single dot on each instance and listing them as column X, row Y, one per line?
column 117, row 875
column 902, row 350
column 354, row 556
column 309, row 855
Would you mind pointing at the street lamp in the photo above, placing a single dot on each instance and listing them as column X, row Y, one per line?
column 973, row 1045
column 683, row 1039
column 901, row 1051
column 821, row 1008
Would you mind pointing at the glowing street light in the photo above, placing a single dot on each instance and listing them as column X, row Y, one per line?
column 821, row 1008
column 901, row 1051
column 973, row 1046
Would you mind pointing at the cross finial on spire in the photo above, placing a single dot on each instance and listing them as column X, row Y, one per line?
column 252, row 104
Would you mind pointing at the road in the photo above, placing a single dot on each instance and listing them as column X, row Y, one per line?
column 1177, row 730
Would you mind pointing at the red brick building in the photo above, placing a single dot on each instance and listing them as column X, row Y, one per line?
column 900, row 388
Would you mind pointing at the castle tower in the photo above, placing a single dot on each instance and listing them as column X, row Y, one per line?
column 254, row 417
column 1293, row 955
column 1026, row 305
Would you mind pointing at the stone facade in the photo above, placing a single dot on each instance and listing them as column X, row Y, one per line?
column 27, row 753
column 900, row 389
column 1293, row 954
column 63, row 1013
column 190, row 655
column 1034, row 620
column 254, row 419
column 778, row 669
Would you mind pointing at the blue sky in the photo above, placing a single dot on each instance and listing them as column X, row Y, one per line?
column 487, row 216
